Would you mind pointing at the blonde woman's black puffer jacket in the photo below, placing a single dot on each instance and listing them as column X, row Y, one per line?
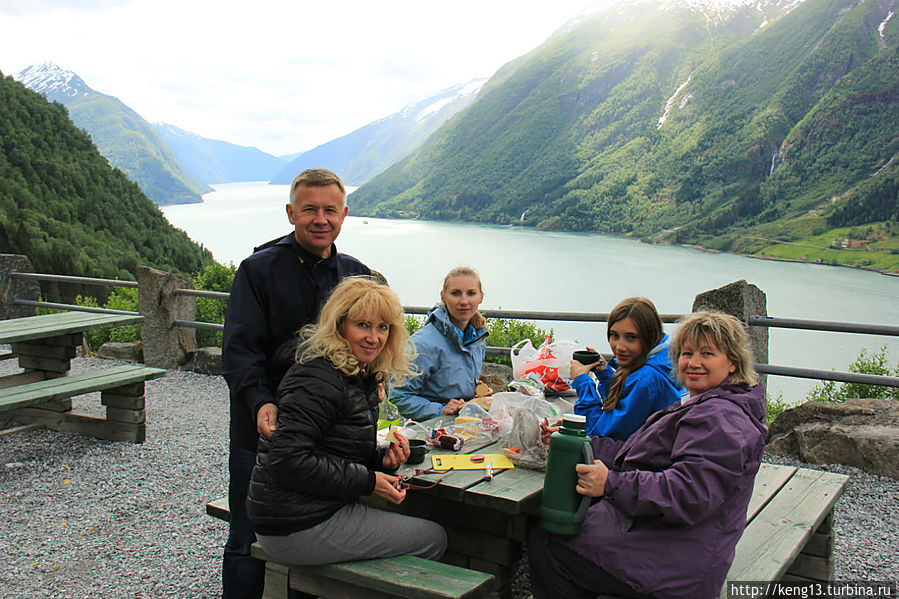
column 323, row 455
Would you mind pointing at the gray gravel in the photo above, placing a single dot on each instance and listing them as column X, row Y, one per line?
column 88, row 518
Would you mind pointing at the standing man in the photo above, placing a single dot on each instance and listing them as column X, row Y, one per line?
column 277, row 290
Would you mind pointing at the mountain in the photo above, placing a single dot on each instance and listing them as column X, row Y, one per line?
column 738, row 128
column 213, row 161
column 123, row 137
column 362, row 154
column 67, row 209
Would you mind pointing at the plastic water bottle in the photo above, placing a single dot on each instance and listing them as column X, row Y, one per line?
column 562, row 509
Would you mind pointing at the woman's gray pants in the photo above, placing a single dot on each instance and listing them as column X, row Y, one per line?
column 358, row 531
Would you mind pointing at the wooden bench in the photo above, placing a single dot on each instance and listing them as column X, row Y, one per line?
column 400, row 576
column 48, row 402
column 789, row 527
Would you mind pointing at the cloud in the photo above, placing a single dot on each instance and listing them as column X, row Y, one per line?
column 284, row 77
column 20, row 7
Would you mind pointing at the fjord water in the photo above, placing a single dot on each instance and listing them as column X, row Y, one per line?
column 525, row 269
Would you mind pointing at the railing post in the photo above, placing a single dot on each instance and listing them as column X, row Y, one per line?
column 741, row 300
column 165, row 345
column 12, row 288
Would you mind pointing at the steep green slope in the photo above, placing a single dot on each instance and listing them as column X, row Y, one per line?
column 652, row 121
column 63, row 206
column 133, row 145
column 123, row 136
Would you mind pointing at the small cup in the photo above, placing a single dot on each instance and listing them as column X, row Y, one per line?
column 417, row 450
column 586, row 356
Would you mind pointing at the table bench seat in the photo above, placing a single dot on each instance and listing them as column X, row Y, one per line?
column 400, row 576
column 789, row 527
column 48, row 402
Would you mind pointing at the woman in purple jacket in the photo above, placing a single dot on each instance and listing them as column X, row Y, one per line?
column 673, row 497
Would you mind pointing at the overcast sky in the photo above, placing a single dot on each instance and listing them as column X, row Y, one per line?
column 281, row 76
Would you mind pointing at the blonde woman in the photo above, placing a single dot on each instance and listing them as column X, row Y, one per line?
column 451, row 348
column 305, row 496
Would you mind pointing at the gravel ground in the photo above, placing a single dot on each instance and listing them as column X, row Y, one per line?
column 88, row 518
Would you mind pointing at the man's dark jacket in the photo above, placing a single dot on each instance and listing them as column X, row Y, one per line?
column 323, row 455
column 273, row 296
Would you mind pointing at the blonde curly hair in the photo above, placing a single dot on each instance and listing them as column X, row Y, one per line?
column 355, row 297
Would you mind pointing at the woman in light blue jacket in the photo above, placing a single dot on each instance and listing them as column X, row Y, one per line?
column 451, row 347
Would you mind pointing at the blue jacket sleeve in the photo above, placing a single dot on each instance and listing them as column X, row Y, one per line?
column 638, row 401
column 589, row 401
column 406, row 396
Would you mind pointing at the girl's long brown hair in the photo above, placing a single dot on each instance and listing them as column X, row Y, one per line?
column 649, row 326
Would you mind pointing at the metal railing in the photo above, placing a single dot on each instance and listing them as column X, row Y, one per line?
column 753, row 321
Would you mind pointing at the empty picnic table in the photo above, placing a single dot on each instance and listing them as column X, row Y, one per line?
column 40, row 396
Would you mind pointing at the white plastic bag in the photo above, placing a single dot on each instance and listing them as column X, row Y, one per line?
column 505, row 405
column 545, row 361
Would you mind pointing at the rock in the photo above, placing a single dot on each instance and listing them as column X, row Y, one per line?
column 741, row 300
column 497, row 376
column 165, row 345
column 206, row 360
column 131, row 351
column 13, row 288
column 858, row 432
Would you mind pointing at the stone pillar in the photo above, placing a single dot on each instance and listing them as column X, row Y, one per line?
column 741, row 300
column 11, row 288
column 165, row 345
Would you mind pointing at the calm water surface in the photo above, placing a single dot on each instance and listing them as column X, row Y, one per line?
column 524, row 269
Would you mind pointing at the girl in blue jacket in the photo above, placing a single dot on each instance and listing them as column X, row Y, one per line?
column 638, row 380
column 450, row 348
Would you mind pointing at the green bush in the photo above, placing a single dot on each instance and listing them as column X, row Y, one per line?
column 774, row 406
column 214, row 277
column 876, row 363
column 414, row 322
column 121, row 298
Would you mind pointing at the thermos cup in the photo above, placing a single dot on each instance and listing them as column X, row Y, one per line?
column 562, row 509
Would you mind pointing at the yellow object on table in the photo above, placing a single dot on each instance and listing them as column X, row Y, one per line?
column 464, row 462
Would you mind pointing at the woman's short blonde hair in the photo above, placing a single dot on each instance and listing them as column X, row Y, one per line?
column 724, row 332
column 355, row 297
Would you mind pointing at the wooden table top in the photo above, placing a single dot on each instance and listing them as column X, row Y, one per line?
column 61, row 323
column 512, row 491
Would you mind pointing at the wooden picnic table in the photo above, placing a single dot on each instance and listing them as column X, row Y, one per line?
column 789, row 525
column 46, row 344
column 40, row 396
column 486, row 520
column 60, row 323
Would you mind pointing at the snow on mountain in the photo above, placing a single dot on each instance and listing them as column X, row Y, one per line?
column 716, row 11
column 51, row 80
column 452, row 94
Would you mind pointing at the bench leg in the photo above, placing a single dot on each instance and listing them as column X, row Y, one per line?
column 126, row 409
column 815, row 561
column 277, row 578
column 125, row 416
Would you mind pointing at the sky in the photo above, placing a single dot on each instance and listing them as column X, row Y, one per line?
column 280, row 76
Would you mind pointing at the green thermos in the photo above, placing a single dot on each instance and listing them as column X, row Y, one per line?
column 562, row 509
